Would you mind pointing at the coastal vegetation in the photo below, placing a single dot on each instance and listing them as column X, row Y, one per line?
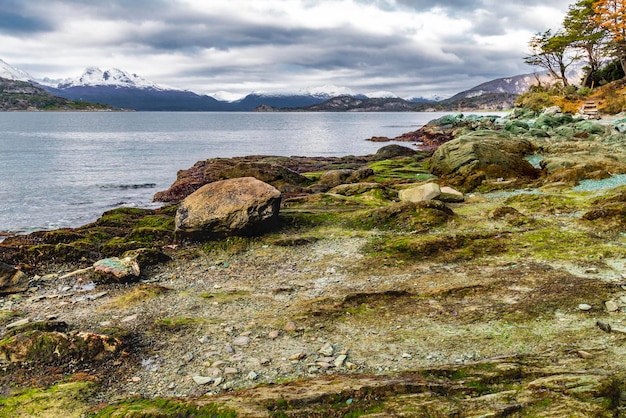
column 482, row 275
column 19, row 95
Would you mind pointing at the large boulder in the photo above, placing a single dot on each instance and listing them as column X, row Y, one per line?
column 12, row 280
column 421, row 193
column 239, row 206
column 481, row 155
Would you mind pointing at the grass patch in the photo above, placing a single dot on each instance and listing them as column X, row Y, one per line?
column 224, row 297
column 178, row 322
column 66, row 400
column 400, row 170
column 137, row 296
column 554, row 243
column 466, row 246
column 138, row 408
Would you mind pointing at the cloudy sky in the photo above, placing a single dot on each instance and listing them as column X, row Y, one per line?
column 230, row 48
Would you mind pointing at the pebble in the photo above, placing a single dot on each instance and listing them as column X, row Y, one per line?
column 406, row 355
column 213, row 371
column 219, row 363
column 324, row 365
column 204, row 340
column 327, row 350
column 188, row 357
column 611, row 306
column 18, row 323
column 129, row 318
column 351, row 366
column 252, row 376
column 298, row 356
column 218, row 381
column 584, row 307
column 241, row 341
column 291, row 326
column 339, row 361
column 202, row 380
column 273, row 334
column 230, row 371
column 584, row 354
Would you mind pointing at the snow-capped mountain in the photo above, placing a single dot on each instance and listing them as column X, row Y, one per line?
column 113, row 77
column 12, row 73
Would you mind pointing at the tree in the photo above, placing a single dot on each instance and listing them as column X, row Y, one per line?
column 586, row 35
column 551, row 52
column 611, row 15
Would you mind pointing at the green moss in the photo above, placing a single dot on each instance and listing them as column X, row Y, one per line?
column 161, row 408
column 63, row 400
column 178, row 322
column 400, row 170
column 122, row 217
column 546, row 203
column 553, row 243
column 405, row 216
column 224, row 297
column 449, row 247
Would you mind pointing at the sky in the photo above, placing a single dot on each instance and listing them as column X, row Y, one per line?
column 229, row 48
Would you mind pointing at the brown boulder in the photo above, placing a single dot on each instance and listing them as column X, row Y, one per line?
column 12, row 280
column 238, row 206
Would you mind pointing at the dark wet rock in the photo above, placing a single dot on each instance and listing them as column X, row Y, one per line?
column 12, row 280
column 238, row 206
column 477, row 156
column 284, row 179
column 394, row 151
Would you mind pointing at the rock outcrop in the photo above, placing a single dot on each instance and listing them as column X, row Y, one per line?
column 238, row 206
column 477, row 156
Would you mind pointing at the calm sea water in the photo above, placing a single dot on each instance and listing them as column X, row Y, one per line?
column 65, row 169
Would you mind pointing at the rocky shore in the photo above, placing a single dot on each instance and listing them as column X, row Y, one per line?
column 483, row 275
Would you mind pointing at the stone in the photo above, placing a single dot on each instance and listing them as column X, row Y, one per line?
column 333, row 178
column 117, row 269
column 584, row 354
column 18, row 323
column 450, row 195
column 584, row 307
column 392, row 151
column 230, row 371
column 252, row 376
column 202, row 380
column 611, row 306
column 272, row 335
column 241, row 341
column 238, row 206
column 12, row 280
column 291, row 326
column 422, row 193
column 340, row 360
column 327, row 350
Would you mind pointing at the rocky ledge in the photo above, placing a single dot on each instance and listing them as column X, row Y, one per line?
column 485, row 277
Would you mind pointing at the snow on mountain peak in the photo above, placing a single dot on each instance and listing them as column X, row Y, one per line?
column 114, row 77
column 12, row 73
column 381, row 95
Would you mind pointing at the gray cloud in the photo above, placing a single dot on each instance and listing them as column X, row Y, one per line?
column 215, row 47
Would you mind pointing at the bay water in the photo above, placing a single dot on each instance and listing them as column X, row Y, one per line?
column 64, row 169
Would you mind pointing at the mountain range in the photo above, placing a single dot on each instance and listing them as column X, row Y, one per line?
column 124, row 90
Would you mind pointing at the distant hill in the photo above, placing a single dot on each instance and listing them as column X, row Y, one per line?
column 22, row 95
column 350, row 104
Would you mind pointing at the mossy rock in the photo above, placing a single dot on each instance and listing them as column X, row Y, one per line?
column 510, row 215
column 405, row 216
column 147, row 256
column 450, row 248
column 57, row 348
